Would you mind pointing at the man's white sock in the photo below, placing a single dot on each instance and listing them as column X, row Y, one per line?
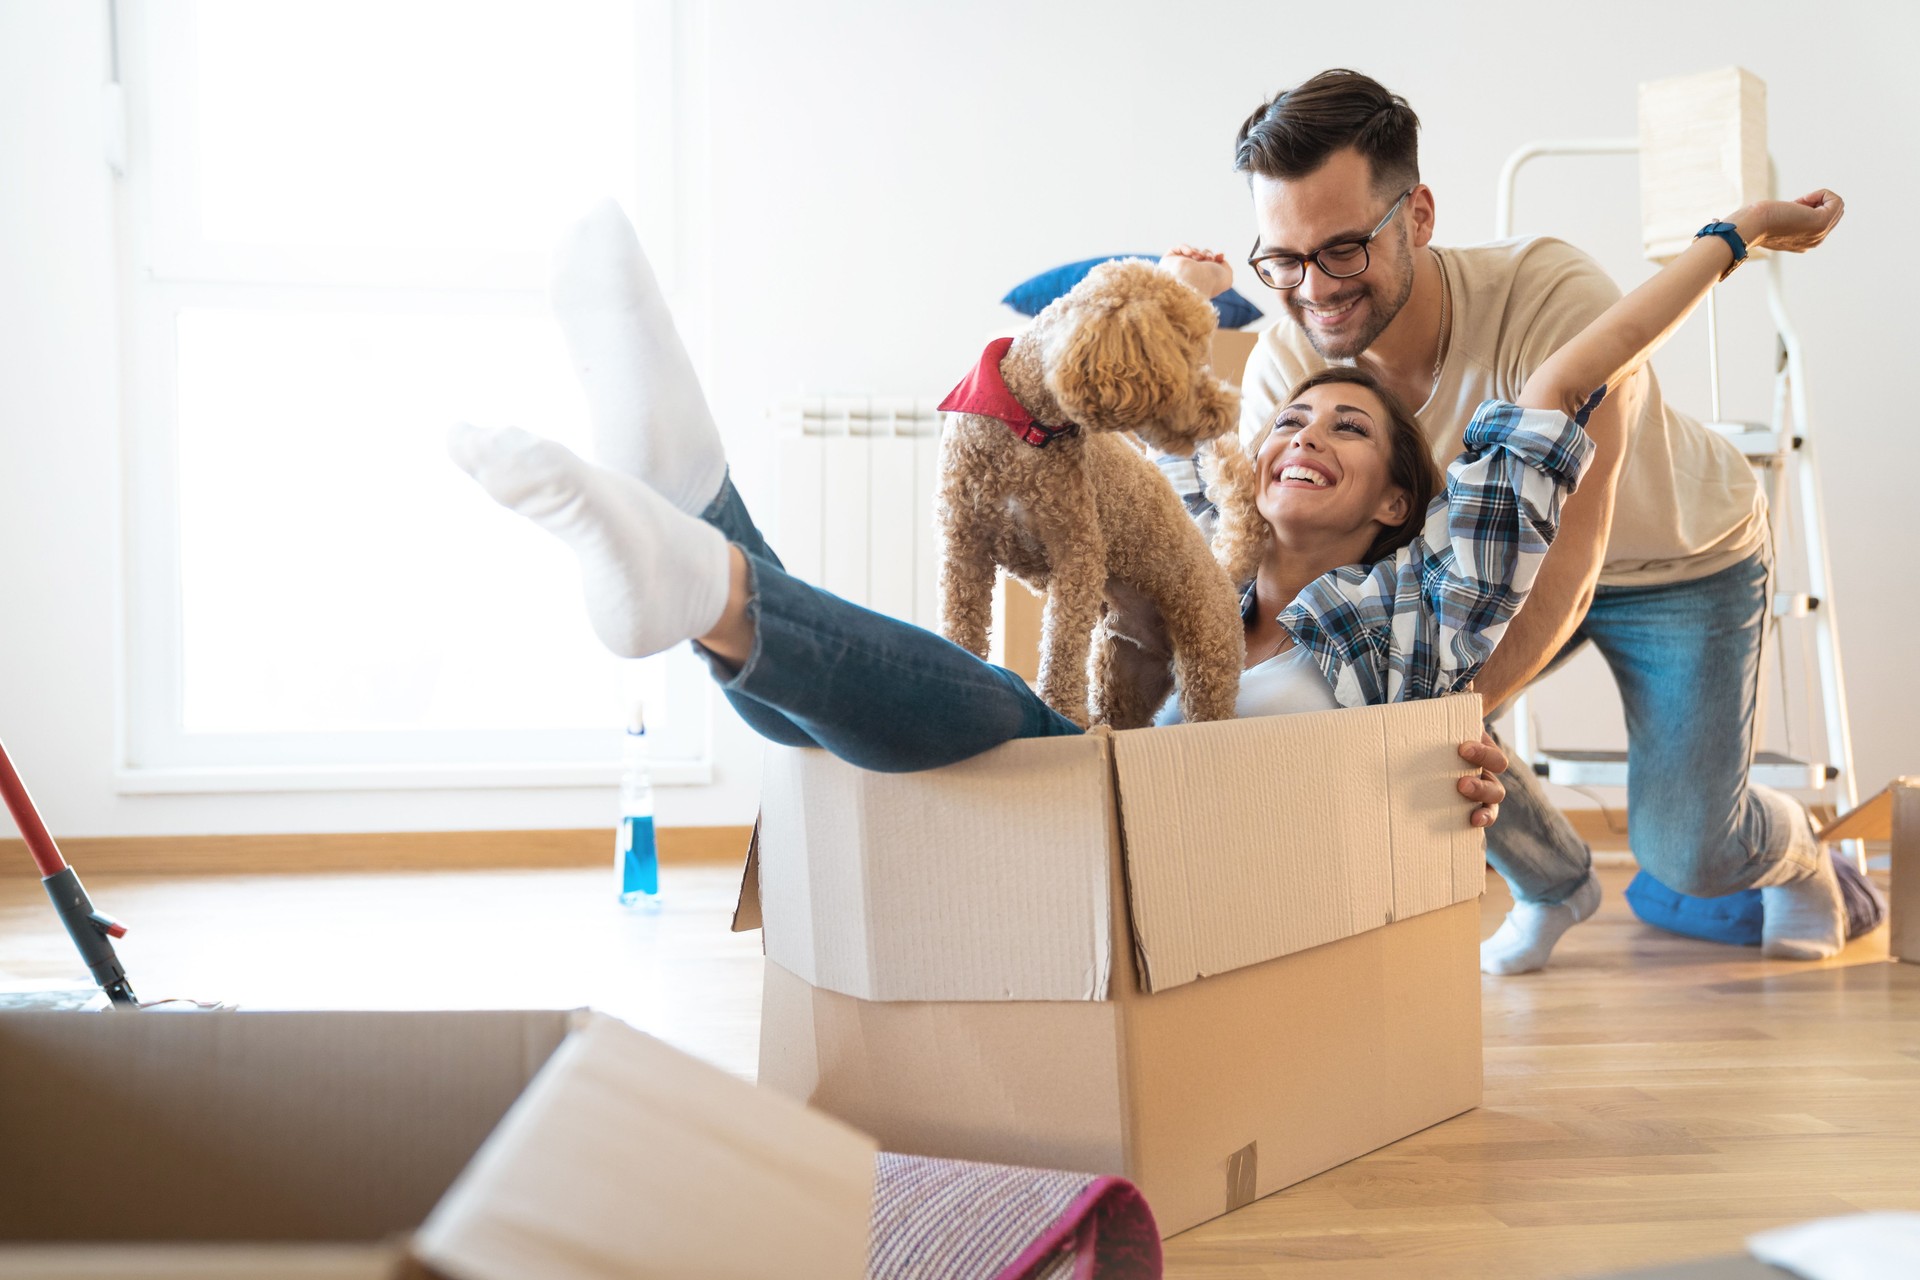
column 1803, row 916
column 653, row 575
column 1525, row 939
column 650, row 418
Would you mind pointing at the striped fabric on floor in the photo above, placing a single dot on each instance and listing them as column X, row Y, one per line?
column 957, row 1220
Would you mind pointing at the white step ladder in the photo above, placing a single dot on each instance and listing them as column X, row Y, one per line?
column 1782, row 452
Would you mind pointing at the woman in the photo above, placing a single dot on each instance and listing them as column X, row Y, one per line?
column 1390, row 599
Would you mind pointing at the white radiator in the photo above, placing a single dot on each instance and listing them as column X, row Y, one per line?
column 856, row 500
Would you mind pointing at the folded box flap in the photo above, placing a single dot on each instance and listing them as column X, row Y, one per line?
column 1874, row 819
column 626, row 1158
column 1251, row 839
column 984, row 880
column 746, row 908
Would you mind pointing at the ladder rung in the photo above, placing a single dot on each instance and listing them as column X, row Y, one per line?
column 1759, row 442
column 1609, row 769
column 1792, row 604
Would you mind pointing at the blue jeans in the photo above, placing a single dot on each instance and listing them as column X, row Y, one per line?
column 877, row 692
column 1686, row 658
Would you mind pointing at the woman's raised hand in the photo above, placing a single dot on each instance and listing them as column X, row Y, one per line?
column 1200, row 269
column 1790, row 226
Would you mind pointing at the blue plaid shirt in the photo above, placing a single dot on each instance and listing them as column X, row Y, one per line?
column 1422, row 622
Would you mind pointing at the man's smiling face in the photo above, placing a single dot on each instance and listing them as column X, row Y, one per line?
column 1339, row 202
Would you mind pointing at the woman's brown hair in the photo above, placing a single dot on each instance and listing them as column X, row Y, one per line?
column 1241, row 540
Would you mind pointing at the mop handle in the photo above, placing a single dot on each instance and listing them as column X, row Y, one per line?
column 46, row 854
column 89, row 929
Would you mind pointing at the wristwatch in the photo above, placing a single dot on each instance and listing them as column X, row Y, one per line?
column 1728, row 232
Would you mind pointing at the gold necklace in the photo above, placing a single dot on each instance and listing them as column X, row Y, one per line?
column 1446, row 316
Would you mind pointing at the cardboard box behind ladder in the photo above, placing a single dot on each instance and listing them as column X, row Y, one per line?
column 1215, row 959
column 1892, row 815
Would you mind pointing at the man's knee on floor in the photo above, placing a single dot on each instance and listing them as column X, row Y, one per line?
column 1704, row 851
column 1694, row 863
column 1695, row 881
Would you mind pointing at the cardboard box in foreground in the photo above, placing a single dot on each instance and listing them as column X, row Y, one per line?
column 359, row 1145
column 1215, row 959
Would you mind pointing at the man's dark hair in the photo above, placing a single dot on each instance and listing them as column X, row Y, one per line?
column 1294, row 133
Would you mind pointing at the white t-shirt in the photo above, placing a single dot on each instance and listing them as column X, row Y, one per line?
column 1282, row 685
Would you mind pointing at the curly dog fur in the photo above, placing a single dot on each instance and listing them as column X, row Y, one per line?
column 1088, row 519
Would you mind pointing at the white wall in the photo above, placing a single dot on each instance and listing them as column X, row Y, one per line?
column 875, row 176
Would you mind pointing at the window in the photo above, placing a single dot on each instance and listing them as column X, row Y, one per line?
column 336, row 232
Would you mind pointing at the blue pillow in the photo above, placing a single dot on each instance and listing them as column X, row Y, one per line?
column 1735, row 918
column 1030, row 297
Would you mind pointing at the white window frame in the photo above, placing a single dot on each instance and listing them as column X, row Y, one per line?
column 164, row 269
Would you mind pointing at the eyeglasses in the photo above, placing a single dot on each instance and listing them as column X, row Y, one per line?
column 1348, row 258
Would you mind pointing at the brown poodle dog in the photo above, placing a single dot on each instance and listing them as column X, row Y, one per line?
column 1039, row 475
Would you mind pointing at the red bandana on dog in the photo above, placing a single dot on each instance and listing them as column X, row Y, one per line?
column 985, row 392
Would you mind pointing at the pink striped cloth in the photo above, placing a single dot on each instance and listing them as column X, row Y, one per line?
column 957, row 1220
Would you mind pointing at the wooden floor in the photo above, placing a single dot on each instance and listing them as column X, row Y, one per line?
column 1648, row 1099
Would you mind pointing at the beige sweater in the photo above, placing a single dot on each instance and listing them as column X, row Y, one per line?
column 1687, row 503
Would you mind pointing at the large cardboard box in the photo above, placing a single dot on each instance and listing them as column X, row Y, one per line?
column 1703, row 154
column 1214, row 959
column 1893, row 815
column 475, row 1146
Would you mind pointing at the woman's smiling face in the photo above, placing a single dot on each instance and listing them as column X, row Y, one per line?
column 1324, row 467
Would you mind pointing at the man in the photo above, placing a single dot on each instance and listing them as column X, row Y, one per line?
column 1674, row 597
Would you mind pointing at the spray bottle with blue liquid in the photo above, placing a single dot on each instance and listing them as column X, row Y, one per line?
column 636, row 858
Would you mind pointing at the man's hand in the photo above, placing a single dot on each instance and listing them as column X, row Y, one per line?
column 1790, row 226
column 1484, row 787
column 1200, row 269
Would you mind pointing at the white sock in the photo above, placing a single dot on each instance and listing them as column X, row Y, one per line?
column 1802, row 915
column 1526, row 937
column 650, row 418
column 653, row 575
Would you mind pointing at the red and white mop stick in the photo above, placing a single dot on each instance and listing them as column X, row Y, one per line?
column 89, row 929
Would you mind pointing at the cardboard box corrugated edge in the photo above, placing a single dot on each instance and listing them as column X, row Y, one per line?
column 656, row 1161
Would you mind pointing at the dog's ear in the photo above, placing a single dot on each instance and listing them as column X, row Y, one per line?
column 1118, row 368
column 1241, row 533
column 1216, row 407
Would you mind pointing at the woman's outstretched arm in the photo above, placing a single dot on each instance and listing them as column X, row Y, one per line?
column 1612, row 348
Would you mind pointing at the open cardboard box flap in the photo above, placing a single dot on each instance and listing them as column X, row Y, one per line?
column 625, row 1157
column 1893, row 815
column 1015, row 906
column 543, row 1143
column 1874, row 819
column 1359, row 825
column 1364, row 828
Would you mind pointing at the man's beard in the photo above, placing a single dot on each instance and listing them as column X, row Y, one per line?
column 1378, row 316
